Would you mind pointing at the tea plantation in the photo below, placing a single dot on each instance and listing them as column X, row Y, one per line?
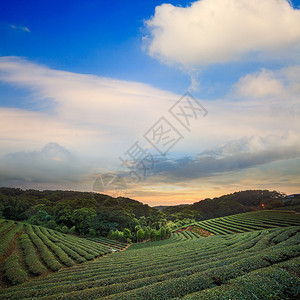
column 244, row 222
column 27, row 251
column 254, row 264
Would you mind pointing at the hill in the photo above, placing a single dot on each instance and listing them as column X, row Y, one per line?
column 238, row 202
column 261, row 264
column 85, row 213
column 28, row 251
column 162, row 207
column 238, row 223
column 123, row 219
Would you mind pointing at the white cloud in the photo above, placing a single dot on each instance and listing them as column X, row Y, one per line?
column 98, row 116
column 259, row 85
column 97, row 119
column 103, row 117
column 22, row 28
column 218, row 31
column 282, row 85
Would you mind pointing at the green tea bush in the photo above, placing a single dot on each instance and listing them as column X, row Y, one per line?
column 5, row 225
column 233, row 266
column 63, row 257
column 13, row 270
column 8, row 237
column 72, row 253
column 268, row 283
column 31, row 259
column 45, row 253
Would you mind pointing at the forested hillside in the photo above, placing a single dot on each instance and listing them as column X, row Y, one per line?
column 77, row 212
column 235, row 203
column 123, row 219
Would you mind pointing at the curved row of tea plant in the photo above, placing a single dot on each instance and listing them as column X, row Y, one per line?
column 9, row 235
column 249, row 221
column 205, row 266
column 184, row 235
column 27, row 250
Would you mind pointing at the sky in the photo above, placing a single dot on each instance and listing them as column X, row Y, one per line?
column 163, row 102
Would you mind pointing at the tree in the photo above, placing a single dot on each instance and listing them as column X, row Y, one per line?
column 51, row 224
column 168, row 231
column 127, row 235
column 143, row 221
column 116, row 235
column 81, row 216
column 157, row 235
column 163, row 233
column 146, row 234
column 120, row 236
column 64, row 229
column 103, row 223
column 137, row 228
column 92, row 232
column 152, row 234
column 140, row 235
column 72, row 230
column 64, row 216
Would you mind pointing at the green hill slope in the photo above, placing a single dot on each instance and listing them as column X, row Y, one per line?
column 235, row 203
column 27, row 251
column 85, row 213
column 261, row 264
column 241, row 223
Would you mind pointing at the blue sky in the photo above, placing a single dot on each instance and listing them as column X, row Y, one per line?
column 82, row 81
column 97, row 37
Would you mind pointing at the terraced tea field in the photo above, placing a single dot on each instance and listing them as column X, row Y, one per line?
column 253, row 264
column 239, row 223
column 261, row 264
column 28, row 251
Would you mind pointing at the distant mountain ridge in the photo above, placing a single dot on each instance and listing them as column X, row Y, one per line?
column 238, row 202
column 86, row 210
column 162, row 207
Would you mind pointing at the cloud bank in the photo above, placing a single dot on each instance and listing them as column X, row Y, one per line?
column 52, row 164
column 71, row 108
column 87, row 122
column 219, row 31
column 233, row 156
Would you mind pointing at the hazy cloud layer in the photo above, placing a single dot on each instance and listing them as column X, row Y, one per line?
column 97, row 119
column 232, row 157
column 218, row 31
column 73, row 109
column 52, row 164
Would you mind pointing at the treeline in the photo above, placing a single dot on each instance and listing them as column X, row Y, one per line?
column 82, row 213
column 140, row 234
column 93, row 214
column 235, row 203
